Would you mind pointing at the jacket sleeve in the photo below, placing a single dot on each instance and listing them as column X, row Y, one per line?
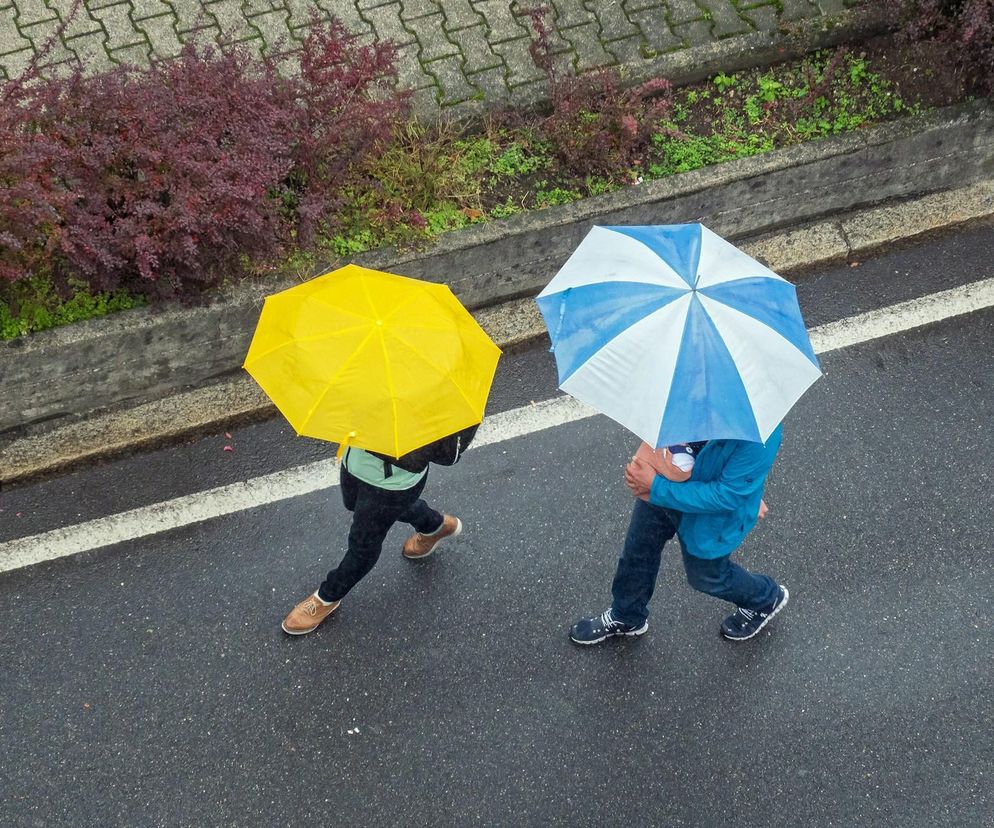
column 450, row 448
column 743, row 474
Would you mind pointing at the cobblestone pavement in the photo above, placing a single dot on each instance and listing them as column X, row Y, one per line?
column 450, row 51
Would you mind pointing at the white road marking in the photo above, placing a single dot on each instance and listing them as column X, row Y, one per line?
column 903, row 316
column 303, row 480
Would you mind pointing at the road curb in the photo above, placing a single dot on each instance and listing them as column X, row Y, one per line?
column 56, row 377
column 512, row 324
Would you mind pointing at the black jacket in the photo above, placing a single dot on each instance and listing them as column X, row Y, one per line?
column 443, row 452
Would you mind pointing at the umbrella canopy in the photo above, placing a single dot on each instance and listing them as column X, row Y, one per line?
column 372, row 360
column 677, row 335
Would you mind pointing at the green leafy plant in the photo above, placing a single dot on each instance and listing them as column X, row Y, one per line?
column 724, row 82
column 32, row 304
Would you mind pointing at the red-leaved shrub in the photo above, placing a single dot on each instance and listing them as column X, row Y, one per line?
column 965, row 26
column 348, row 109
column 170, row 170
column 597, row 126
column 31, row 200
column 170, row 179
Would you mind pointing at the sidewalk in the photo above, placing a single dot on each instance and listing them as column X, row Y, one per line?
column 452, row 52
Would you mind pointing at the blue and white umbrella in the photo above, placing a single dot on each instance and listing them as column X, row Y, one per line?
column 677, row 335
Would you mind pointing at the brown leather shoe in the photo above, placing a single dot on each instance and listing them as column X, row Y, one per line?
column 307, row 615
column 421, row 546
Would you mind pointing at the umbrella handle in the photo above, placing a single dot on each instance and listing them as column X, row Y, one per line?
column 344, row 445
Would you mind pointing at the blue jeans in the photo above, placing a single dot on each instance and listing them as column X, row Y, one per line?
column 635, row 580
column 374, row 511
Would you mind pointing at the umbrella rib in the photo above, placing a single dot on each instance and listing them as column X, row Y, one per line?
column 331, row 381
column 298, row 340
column 406, row 302
column 425, row 359
column 386, row 365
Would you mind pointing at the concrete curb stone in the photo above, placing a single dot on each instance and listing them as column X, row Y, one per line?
column 137, row 356
column 511, row 324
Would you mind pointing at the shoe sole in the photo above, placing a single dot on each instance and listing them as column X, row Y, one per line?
column 640, row 631
column 299, row 632
column 457, row 531
column 770, row 617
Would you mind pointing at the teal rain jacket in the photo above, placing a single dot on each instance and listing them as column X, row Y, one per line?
column 719, row 504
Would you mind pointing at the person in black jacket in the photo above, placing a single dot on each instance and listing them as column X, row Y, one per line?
column 380, row 491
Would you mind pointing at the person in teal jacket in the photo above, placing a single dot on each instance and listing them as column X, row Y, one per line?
column 711, row 513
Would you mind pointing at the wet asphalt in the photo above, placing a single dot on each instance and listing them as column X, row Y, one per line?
column 149, row 683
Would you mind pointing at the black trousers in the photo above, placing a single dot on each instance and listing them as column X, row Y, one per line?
column 374, row 511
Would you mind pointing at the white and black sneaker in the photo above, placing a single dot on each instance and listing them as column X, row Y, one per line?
column 595, row 630
column 743, row 624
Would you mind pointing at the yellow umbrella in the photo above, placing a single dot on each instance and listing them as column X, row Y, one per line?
column 372, row 360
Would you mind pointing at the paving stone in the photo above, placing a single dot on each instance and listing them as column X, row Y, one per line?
column 629, row 51
column 117, row 23
column 459, row 14
column 162, row 35
column 410, row 72
column 610, row 15
column 344, row 10
column 452, row 84
column 137, row 55
column 387, row 25
column 763, row 18
column 203, row 35
column 41, row 33
column 639, row 5
column 189, row 16
column 520, row 66
column 232, row 23
column 798, row 10
column 301, row 11
column 11, row 40
column 33, row 11
column 250, row 8
column 425, row 100
column 570, row 13
column 501, row 23
column 683, row 11
column 14, row 64
column 91, row 51
column 590, row 53
column 412, row 9
column 725, row 20
column 362, row 5
column 556, row 42
column 275, row 30
column 82, row 24
column 694, row 33
column 656, row 31
column 491, row 82
column 431, row 38
column 477, row 52
column 528, row 95
column 153, row 8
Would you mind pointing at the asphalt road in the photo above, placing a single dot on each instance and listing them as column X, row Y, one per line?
column 149, row 683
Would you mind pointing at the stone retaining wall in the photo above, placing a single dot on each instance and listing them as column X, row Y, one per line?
column 141, row 355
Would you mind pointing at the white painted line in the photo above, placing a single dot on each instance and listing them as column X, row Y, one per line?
column 303, row 480
column 260, row 491
column 903, row 316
